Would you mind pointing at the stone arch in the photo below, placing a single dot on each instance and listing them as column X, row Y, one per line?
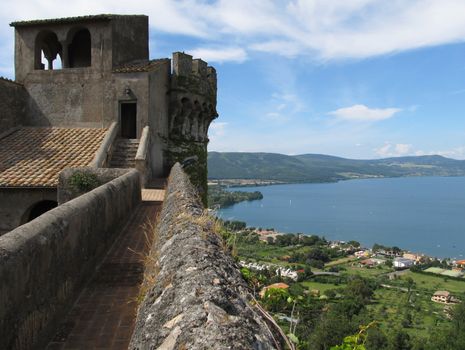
column 48, row 46
column 37, row 209
column 79, row 48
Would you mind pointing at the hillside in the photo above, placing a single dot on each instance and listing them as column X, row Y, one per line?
column 324, row 168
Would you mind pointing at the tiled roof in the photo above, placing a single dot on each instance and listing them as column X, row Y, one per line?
column 33, row 157
column 92, row 18
column 140, row 66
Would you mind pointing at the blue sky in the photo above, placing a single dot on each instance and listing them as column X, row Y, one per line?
column 353, row 78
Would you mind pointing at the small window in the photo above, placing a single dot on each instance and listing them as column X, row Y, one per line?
column 48, row 51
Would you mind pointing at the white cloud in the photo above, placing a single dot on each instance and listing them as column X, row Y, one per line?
column 394, row 150
column 362, row 113
column 282, row 107
column 220, row 55
column 319, row 29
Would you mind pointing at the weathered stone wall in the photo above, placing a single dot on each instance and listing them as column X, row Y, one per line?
column 44, row 262
column 199, row 299
column 24, row 199
column 159, row 83
column 13, row 102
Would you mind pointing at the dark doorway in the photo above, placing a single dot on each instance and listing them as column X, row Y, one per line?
column 129, row 120
column 40, row 208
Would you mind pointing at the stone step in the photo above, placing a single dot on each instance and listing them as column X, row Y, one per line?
column 124, row 153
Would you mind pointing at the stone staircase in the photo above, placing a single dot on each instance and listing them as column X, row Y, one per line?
column 124, row 154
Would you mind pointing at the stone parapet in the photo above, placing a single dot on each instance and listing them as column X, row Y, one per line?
column 195, row 296
column 44, row 263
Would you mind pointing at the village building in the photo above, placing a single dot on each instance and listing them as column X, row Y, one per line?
column 86, row 93
column 402, row 263
column 460, row 264
column 372, row 262
column 441, row 296
column 412, row 256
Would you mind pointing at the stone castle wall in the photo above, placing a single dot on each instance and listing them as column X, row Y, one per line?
column 199, row 299
column 13, row 102
column 44, row 263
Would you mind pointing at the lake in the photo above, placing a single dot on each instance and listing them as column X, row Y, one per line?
column 422, row 214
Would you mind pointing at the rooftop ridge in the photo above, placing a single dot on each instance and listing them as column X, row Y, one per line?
column 10, row 81
column 89, row 18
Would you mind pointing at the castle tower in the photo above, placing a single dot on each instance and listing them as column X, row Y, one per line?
column 192, row 109
column 81, row 45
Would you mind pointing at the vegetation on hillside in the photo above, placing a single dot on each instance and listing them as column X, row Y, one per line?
column 336, row 303
column 323, row 168
column 217, row 195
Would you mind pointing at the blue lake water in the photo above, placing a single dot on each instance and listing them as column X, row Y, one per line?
column 422, row 214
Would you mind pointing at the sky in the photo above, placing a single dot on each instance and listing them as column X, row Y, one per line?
column 352, row 78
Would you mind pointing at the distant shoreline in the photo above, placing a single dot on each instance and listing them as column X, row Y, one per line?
column 233, row 183
column 412, row 212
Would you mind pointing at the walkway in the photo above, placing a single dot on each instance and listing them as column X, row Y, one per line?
column 104, row 315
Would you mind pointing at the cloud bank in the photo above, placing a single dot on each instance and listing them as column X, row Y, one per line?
column 361, row 113
column 232, row 30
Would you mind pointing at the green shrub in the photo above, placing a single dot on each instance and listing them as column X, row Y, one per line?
column 84, row 181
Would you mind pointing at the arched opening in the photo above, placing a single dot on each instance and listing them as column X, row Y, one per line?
column 79, row 49
column 48, row 51
column 39, row 208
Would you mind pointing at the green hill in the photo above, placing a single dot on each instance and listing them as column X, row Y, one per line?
column 324, row 168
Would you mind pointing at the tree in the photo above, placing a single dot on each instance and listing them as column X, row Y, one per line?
column 358, row 287
column 354, row 244
column 410, row 285
column 399, row 340
column 276, row 299
column 356, row 341
column 376, row 339
column 330, row 331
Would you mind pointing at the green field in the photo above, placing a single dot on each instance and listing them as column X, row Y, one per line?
column 433, row 283
column 341, row 261
column 322, row 287
column 390, row 307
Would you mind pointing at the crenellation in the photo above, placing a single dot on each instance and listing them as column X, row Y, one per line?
column 182, row 64
column 199, row 67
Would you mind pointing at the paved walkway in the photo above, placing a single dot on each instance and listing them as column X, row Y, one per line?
column 104, row 315
column 151, row 195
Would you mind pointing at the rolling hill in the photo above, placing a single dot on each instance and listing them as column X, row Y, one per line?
column 324, row 168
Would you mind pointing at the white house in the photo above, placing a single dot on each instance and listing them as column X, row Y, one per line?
column 402, row 263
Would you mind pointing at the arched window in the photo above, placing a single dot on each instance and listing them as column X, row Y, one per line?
column 38, row 209
column 79, row 49
column 48, row 51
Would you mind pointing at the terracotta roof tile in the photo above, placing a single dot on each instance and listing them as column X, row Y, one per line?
column 140, row 66
column 33, row 157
